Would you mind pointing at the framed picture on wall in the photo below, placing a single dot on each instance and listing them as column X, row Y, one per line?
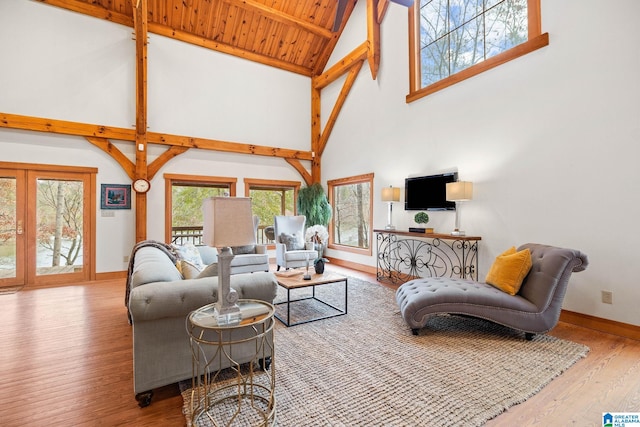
column 115, row 196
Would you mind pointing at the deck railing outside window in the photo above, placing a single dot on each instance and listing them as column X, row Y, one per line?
column 193, row 234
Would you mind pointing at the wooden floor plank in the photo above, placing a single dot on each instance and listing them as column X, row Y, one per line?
column 66, row 359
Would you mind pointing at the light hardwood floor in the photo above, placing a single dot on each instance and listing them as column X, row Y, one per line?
column 66, row 360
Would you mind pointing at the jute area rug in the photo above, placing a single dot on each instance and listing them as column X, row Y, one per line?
column 367, row 369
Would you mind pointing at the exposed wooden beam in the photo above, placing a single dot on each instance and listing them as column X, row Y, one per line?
column 382, row 10
column 14, row 121
column 373, row 37
column 166, row 31
column 316, row 132
column 342, row 96
column 106, row 146
column 306, row 176
column 282, row 17
column 229, row 147
column 341, row 67
column 91, row 10
column 163, row 158
column 325, row 55
column 140, row 26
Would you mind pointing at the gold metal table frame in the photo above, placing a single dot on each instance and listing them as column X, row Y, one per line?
column 233, row 380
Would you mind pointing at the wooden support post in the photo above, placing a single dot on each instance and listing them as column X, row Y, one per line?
column 316, row 130
column 140, row 28
column 373, row 36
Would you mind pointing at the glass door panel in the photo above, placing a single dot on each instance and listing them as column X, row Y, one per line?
column 11, row 228
column 59, row 226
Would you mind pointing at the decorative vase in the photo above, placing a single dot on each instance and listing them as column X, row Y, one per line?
column 319, row 266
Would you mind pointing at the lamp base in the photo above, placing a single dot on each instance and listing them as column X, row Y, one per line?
column 229, row 315
column 458, row 233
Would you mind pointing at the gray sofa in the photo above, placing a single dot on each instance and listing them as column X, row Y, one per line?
column 159, row 300
column 534, row 309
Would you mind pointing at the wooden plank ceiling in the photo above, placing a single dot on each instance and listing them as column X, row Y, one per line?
column 294, row 35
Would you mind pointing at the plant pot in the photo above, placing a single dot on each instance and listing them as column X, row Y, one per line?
column 319, row 266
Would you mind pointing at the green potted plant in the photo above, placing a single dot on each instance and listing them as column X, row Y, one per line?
column 313, row 204
column 421, row 218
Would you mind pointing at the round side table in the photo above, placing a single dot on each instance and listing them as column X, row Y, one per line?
column 233, row 373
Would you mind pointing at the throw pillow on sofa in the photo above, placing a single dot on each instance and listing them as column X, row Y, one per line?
column 189, row 252
column 189, row 270
column 210, row 270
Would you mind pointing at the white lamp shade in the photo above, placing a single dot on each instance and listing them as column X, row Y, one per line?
column 228, row 221
column 459, row 191
column 391, row 194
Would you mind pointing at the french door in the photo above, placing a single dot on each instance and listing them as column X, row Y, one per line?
column 46, row 217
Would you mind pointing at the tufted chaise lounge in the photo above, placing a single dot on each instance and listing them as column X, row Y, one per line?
column 534, row 309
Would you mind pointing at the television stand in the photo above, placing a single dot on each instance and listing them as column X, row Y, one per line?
column 406, row 255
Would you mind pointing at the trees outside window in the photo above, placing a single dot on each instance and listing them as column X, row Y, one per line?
column 268, row 199
column 351, row 222
column 60, row 222
column 456, row 39
column 184, row 196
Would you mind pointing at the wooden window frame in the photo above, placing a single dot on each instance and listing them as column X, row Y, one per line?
column 330, row 193
column 273, row 184
column 171, row 179
column 31, row 172
column 536, row 40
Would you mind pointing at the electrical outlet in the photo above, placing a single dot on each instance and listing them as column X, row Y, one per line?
column 125, row 258
column 607, row 297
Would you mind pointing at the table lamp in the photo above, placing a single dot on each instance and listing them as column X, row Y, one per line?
column 390, row 194
column 228, row 221
column 459, row 191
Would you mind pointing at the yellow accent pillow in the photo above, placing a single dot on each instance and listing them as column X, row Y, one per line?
column 509, row 270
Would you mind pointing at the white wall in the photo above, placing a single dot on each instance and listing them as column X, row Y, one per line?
column 550, row 141
column 63, row 65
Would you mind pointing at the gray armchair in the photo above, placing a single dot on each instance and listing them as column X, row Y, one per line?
column 534, row 309
column 247, row 259
column 291, row 249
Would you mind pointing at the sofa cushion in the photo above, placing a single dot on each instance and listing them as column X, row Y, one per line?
column 250, row 259
column 189, row 252
column 509, row 270
column 152, row 265
column 302, row 255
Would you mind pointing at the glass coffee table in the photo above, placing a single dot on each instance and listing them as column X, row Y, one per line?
column 292, row 282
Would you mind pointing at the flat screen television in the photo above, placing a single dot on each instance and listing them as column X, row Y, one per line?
column 428, row 193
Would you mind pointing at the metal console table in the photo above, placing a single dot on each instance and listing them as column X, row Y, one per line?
column 405, row 255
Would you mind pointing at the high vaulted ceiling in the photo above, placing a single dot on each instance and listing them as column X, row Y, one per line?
column 294, row 35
